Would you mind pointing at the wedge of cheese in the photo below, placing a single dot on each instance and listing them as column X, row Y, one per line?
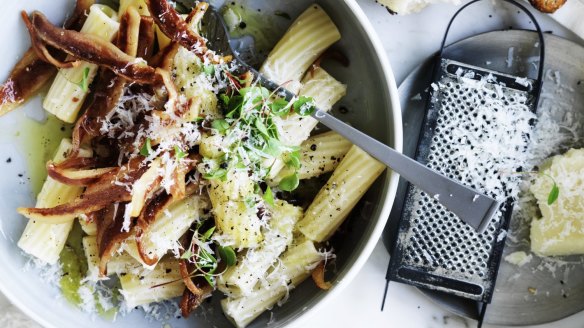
column 560, row 230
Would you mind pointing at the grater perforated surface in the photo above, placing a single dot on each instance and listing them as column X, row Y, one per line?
column 476, row 131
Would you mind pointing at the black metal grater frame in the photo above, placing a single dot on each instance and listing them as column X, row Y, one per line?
column 401, row 268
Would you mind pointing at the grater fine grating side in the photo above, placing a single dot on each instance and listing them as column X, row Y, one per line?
column 476, row 130
column 435, row 249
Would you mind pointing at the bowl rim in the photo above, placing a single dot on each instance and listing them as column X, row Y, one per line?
column 397, row 135
column 363, row 256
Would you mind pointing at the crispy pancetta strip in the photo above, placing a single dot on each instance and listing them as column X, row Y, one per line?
column 197, row 288
column 78, row 163
column 175, row 28
column 318, row 277
column 110, row 87
column 151, row 211
column 154, row 208
column 111, row 187
column 173, row 106
column 110, row 232
column 191, row 301
column 28, row 76
column 146, row 38
column 88, row 48
column 178, row 189
column 76, row 177
column 145, row 187
column 31, row 73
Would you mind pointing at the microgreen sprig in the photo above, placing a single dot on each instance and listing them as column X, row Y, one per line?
column 146, row 148
column 554, row 192
column 84, row 83
column 250, row 128
column 205, row 263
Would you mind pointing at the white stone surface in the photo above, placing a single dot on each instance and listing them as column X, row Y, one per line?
column 408, row 40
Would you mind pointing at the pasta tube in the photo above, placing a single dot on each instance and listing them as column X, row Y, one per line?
column 319, row 154
column 193, row 83
column 163, row 234
column 306, row 39
column 162, row 283
column 118, row 264
column 45, row 241
column 69, row 89
column 232, row 215
column 251, row 267
column 295, row 128
column 296, row 266
column 349, row 182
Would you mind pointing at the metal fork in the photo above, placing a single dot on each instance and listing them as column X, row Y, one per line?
column 472, row 207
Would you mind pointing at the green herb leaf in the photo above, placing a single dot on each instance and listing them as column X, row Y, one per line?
column 209, row 69
column 269, row 196
column 209, row 279
column 289, row 183
column 227, row 254
column 84, row 83
column 273, row 147
column 218, row 174
column 207, row 235
column 261, row 127
column 304, row 106
column 224, row 98
column 253, row 93
column 220, row 125
column 553, row 195
column 206, row 261
column 282, row 14
column 146, row 148
column 280, row 107
column 178, row 153
column 294, row 160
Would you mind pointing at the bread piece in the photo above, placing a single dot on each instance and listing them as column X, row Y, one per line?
column 547, row 6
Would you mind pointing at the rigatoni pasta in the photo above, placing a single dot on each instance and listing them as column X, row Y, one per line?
column 254, row 264
column 325, row 91
column 162, row 283
column 349, row 182
column 319, row 154
column 191, row 183
column 69, row 89
column 45, row 241
column 308, row 37
column 295, row 267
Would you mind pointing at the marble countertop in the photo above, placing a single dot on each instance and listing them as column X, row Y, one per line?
column 408, row 41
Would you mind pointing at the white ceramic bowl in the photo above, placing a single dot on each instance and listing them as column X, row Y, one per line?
column 372, row 101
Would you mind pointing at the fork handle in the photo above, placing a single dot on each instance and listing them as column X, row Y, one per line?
column 470, row 206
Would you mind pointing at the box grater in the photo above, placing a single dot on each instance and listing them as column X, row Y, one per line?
column 433, row 248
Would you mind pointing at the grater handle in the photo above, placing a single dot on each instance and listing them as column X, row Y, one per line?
column 540, row 70
column 469, row 205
